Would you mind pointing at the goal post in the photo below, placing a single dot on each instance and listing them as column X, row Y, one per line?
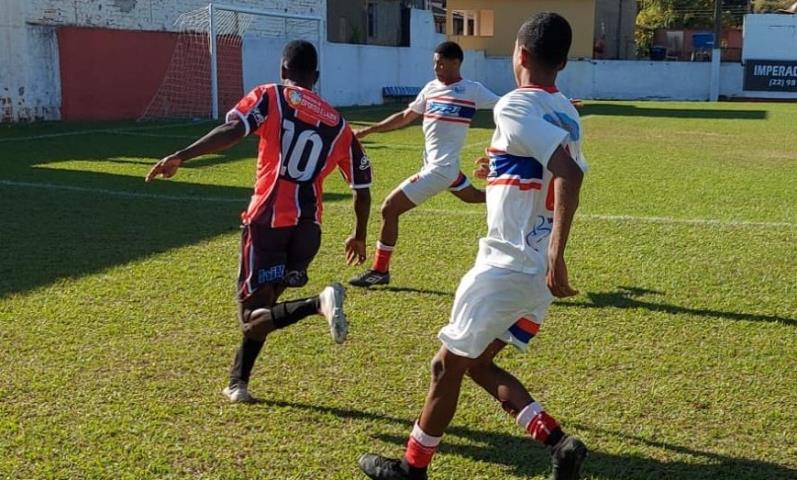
column 220, row 51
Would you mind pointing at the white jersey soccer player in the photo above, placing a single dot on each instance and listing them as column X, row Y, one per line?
column 505, row 296
column 447, row 104
column 534, row 176
column 448, row 110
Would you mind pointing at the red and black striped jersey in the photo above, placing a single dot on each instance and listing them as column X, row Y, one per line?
column 302, row 140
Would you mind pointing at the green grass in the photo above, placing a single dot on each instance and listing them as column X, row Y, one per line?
column 677, row 360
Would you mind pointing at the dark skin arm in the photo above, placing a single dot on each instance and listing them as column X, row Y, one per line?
column 393, row 122
column 355, row 244
column 567, row 185
column 219, row 139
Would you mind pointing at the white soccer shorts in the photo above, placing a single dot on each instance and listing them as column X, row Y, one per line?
column 430, row 181
column 495, row 303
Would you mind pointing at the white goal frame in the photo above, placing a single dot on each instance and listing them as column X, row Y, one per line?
column 213, row 7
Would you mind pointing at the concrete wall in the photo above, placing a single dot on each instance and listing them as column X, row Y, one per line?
column 770, row 37
column 509, row 15
column 618, row 79
column 29, row 61
column 353, row 74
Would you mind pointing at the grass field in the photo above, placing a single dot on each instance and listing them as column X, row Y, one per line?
column 678, row 360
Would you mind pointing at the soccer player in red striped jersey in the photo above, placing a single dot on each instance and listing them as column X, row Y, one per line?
column 302, row 140
column 533, row 181
column 447, row 105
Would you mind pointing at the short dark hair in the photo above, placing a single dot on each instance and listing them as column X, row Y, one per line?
column 450, row 50
column 549, row 36
column 300, row 56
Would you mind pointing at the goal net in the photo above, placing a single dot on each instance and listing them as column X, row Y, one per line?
column 205, row 78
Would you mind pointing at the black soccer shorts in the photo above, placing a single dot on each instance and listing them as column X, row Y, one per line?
column 269, row 254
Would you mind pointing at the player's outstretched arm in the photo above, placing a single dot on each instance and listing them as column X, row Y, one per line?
column 393, row 122
column 355, row 244
column 220, row 138
column 567, row 185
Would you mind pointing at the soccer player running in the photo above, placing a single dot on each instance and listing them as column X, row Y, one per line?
column 302, row 140
column 533, row 181
column 447, row 105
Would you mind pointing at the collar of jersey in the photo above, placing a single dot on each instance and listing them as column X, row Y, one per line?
column 547, row 88
column 450, row 83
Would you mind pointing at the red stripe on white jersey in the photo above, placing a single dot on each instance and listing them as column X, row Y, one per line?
column 458, row 101
column 515, row 182
column 448, row 119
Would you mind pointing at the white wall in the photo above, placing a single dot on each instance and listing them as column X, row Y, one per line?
column 770, row 37
column 353, row 74
column 30, row 87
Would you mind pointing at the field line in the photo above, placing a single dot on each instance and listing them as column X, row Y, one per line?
column 126, row 130
column 121, row 193
column 422, row 210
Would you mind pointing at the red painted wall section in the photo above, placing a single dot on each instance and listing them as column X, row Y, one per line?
column 115, row 74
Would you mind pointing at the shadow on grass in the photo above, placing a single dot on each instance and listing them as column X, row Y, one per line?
column 620, row 110
column 526, row 458
column 422, row 291
column 626, row 297
column 57, row 224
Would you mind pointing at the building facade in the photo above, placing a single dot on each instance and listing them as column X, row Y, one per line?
column 492, row 25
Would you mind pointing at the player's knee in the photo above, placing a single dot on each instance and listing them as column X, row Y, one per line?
column 438, row 368
column 446, row 366
column 256, row 324
column 388, row 209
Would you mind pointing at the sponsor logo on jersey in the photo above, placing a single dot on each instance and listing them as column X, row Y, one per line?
column 309, row 104
column 365, row 163
column 542, row 229
column 295, row 97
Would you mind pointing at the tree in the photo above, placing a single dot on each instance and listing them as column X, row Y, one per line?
column 766, row 6
column 656, row 14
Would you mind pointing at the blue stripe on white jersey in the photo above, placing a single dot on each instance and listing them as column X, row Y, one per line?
column 448, row 109
column 505, row 164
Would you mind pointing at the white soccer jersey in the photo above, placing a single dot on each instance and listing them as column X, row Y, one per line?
column 447, row 113
column 530, row 123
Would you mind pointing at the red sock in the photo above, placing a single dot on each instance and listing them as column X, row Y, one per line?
column 382, row 257
column 420, row 448
column 538, row 423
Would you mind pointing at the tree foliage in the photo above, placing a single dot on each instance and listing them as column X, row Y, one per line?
column 687, row 14
column 766, row 6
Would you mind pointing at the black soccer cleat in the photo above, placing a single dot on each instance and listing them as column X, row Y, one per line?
column 378, row 467
column 369, row 278
column 566, row 458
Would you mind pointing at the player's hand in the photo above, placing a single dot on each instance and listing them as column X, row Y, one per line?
column 482, row 168
column 556, row 278
column 355, row 251
column 165, row 168
column 361, row 133
column 576, row 102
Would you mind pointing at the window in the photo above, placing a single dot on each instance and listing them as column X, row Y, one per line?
column 473, row 23
column 372, row 19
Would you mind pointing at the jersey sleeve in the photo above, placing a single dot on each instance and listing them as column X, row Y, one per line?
column 529, row 135
column 485, row 98
column 353, row 163
column 419, row 104
column 252, row 110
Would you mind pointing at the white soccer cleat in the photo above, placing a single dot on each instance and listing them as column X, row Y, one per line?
column 238, row 393
column 331, row 306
